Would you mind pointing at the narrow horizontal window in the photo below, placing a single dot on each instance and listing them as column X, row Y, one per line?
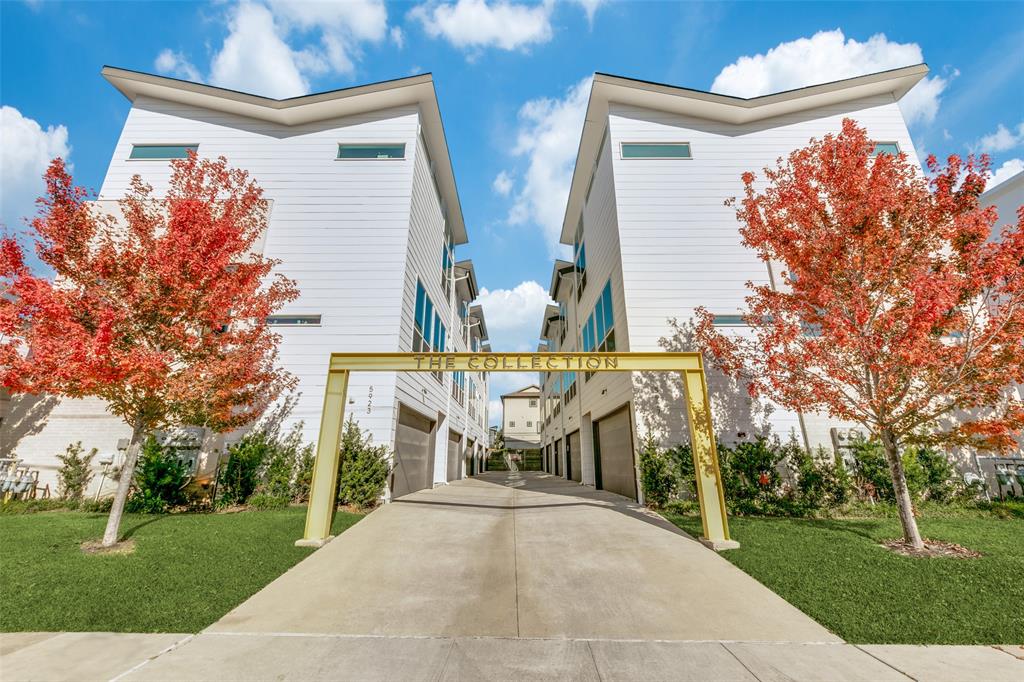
column 293, row 320
column 647, row 150
column 371, row 151
column 890, row 148
column 729, row 321
column 162, row 151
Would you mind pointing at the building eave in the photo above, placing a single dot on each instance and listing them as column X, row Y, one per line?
column 414, row 90
column 477, row 313
column 607, row 89
column 1011, row 183
column 556, row 272
column 465, row 267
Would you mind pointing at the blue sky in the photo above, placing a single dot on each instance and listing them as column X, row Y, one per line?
column 512, row 82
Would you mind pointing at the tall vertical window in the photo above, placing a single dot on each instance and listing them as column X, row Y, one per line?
column 570, row 387
column 429, row 334
column 579, row 257
column 447, row 262
column 598, row 331
column 459, row 387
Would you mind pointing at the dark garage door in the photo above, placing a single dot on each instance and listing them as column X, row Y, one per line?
column 453, row 455
column 576, row 469
column 615, row 439
column 413, row 457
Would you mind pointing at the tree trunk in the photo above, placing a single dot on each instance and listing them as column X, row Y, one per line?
column 899, row 485
column 124, row 485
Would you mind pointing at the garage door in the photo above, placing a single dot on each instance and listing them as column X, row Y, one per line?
column 453, row 455
column 470, row 458
column 413, row 461
column 575, row 468
column 615, row 442
column 558, row 457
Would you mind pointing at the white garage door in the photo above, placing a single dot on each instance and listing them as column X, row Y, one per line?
column 453, row 455
column 575, row 461
column 615, row 440
column 413, row 461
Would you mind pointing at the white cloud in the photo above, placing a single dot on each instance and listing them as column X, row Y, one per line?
column 503, row 183
column 590, row 7
column 1002, row 139
column 549, row 136
column 26, row 149
column 397, row 37
column 475, row 24
column 254, row 57
column 1001, row 174
column 171, row 63
column 828, row 56
column 514, row 315
column 257, row 56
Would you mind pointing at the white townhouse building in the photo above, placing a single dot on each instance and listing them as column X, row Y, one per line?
column 520, row 418
column 365, row 216
column 652, row 239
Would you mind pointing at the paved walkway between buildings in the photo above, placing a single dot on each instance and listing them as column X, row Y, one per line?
column 504, row 577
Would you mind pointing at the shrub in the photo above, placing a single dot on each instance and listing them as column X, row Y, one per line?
column 939, row 480
column 75, row 471
column 822, row 481
column 681, row 458
column 363, row 473
column 930, row 474
column 261, row 502
column 657, row 478
column 160, row 480
column 750, row 474
column 240, row 476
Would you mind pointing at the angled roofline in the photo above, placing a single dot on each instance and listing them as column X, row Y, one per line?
column 477, row 313
column 550, row 314
column 413, row 90
column 466, row 266
column 524, row 392
column 559, row 268
column 608, row 88
column 1006, row 185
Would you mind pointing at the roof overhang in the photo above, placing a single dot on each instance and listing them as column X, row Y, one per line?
column 551, row 315
column 607, row 89
column 415, row 90
column 465, row 267
column 560, row 268
column 477, row 313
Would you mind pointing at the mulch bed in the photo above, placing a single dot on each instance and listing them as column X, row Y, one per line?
column 96, row 547
column 932, row 549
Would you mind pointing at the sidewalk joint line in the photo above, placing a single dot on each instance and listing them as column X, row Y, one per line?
column 593, row 659
column 887, row 663
column 739, row 660
column 515, row 559
column 172, row 647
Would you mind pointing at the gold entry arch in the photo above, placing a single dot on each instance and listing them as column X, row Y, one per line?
column 690, row 366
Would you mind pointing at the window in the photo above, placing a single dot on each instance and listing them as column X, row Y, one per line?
column 656, row 150
column 371, row 151
column 579, row 257
column 598, row 331
column 529, row 425
column 512, row 424
column 459, row 387
column 570, row 387
column 729, row 321
column 447, row 263
column 533, row 403
column 293, row 320
column 890, row 148
column 161, row 152
column 429, row 334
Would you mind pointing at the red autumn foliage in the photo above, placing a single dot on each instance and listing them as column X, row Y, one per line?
column 162, row 314
column 893, row 307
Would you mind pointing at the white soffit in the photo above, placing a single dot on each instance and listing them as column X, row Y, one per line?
column 414, row 90
column 607, row 89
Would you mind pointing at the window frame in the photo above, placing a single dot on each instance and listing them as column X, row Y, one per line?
column 189, row 146
column 370, row 145
column 875, row 153
column 637, row 143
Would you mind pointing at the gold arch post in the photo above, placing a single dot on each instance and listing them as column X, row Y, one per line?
column 323, row 492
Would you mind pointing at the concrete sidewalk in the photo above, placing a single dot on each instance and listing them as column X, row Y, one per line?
column 302, row 658
column 520, row 555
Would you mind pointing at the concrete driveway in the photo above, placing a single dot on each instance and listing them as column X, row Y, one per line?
column 520, row 555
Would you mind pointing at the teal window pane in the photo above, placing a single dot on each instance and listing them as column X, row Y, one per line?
column 599, row 321
column 420, row 304
column 428, row 317
column 162, row 151
column 729, row 321
column 293, row 320
column 371, row 151
column 677, row 150
column 588, row 338
column 609, row 314
column 890, row 148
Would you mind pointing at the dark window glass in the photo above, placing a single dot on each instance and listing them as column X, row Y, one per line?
column 371, row 151
column 677, row 150
column 162, row 151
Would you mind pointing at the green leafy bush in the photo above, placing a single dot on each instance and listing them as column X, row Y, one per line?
column 657, row 478
column 261, row 502
column 930, row 474
column 75, row 471
column 160, row 480
column 822, row 481
column 364, row 470
column 238, row 478
column 681, row 457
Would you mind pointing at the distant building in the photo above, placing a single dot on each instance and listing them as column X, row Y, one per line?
column 521, row 418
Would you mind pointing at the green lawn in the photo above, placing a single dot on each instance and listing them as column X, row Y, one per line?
column 835, row 571
column 187, row 570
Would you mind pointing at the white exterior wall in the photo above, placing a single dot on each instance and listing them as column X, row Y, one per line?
column 353, row 234
column 517, row 413
column 681, row 245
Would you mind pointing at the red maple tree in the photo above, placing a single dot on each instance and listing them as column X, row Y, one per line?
column 161, row 311
column 894, row 307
